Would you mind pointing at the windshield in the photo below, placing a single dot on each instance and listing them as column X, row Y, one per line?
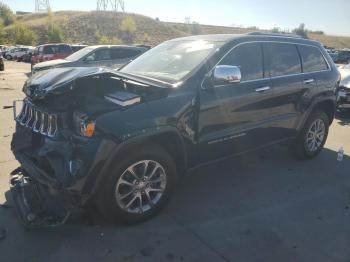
column 172, row 61
column 79, row 54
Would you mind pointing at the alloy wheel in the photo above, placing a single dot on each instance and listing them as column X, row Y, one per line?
column 315, row 135
column 141, row 186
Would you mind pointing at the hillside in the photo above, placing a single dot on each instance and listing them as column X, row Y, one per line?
column 88, row 27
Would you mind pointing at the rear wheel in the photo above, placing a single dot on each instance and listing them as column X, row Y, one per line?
column 138, row 185
column 313, row 136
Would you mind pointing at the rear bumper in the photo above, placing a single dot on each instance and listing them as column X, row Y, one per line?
column 35, row 204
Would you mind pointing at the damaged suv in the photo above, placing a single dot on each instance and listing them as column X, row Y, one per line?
column 120, row 140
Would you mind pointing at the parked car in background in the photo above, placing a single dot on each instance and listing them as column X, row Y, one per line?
column 343, row 56
column 50, row 52
column 120, row 139
column 16, row 53
column 2, row 65
column 343, row 95
column 26, row 57
column 113, row 56
column 76, row 48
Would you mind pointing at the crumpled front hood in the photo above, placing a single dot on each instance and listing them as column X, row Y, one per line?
column 57, row 80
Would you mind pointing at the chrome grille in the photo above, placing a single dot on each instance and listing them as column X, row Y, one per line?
column 37, row 120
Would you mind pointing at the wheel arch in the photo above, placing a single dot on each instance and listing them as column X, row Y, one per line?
column 326, row 105
column 170, row 140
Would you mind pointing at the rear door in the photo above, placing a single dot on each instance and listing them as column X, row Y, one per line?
column 315, row 68
column 236, row 117
column 289, row 85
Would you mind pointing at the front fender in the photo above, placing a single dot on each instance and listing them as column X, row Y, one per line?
column 110, row 150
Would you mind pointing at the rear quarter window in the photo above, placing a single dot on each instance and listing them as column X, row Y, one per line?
column 312, row 59
column 283, row 59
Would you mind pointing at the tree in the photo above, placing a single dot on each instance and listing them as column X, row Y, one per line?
column 1, row 31
column 301, row 31
column 6, row 14
column 128, row 28
column 54, row 32
column 20, row 34
column 196, row 28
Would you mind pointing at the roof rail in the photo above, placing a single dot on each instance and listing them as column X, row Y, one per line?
column 275, row 34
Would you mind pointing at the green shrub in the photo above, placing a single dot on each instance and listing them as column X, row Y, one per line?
column 20, row 34
column 105, row 40
column 6, row 14
column 128, row 28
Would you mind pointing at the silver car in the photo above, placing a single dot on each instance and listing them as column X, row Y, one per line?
column 112, row 56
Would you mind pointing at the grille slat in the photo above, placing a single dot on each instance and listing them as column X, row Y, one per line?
column 39, row 121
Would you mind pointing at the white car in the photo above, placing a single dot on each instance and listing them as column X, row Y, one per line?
column 16, row 52
column 343, row 96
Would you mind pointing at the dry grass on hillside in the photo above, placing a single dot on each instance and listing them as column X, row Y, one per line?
column 88, row 27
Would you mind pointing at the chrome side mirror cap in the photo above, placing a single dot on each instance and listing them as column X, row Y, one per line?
column 226, row 74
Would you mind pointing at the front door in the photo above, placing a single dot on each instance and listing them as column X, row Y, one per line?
column 236, row 117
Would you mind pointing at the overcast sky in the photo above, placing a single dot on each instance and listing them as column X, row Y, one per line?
column 333, row 16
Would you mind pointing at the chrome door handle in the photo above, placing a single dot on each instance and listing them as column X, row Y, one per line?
column 309, row 81
column 263, row 89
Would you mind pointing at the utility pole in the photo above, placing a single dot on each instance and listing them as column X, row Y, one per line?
column 111, row 5
column 42, row 5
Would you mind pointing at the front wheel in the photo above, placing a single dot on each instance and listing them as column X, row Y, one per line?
column 312, row 138
column 138, row 185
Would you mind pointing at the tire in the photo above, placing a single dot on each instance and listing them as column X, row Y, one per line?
column 8, row 57
column 115, row 208
column 302, row 148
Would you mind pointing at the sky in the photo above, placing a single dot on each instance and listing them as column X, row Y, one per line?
column 332, row 17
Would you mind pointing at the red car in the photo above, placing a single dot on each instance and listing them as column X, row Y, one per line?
column 48, row 52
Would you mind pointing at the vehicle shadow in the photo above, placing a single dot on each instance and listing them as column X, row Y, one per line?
column 343, row 116
column 264, row 205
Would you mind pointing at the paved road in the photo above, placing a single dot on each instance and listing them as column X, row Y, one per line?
column 263, row 206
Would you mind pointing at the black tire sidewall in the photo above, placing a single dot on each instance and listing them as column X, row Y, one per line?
column 105, row 199
column 304, row 152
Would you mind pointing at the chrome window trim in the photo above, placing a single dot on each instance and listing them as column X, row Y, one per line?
column 270, row 77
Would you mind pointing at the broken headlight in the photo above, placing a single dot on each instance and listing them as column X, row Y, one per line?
column 82, row 125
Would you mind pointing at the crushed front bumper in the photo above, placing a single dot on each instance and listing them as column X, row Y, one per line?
column 343, row 97
column 35, row 204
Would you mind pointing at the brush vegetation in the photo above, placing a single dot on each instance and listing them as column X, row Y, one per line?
column 116, row 28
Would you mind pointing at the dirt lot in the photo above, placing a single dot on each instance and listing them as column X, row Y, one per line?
column 264, row 206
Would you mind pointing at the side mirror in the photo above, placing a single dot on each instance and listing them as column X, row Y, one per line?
column 226, row 74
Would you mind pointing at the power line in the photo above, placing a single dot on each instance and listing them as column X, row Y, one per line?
column 42, row 5
column 112, row 5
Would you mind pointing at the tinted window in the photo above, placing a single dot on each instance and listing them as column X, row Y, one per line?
column 100, row 55
column 312, row 59
column 248, row 57
column 284, row 59
column 119, row 53
column 50, row 49
column 63, row 49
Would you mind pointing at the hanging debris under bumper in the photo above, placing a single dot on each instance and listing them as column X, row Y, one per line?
column 35, row 205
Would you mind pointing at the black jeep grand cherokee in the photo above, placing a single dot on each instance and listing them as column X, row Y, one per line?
column 121, row 139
